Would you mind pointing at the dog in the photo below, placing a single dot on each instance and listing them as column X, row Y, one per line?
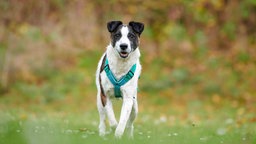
column 117, row 76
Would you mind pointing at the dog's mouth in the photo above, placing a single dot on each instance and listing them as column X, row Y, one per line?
column 123, row 54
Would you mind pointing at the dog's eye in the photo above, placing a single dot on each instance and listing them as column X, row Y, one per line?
column 117, row 35
column 131, row 36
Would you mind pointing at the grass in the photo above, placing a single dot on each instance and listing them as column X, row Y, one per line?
column 22, row 127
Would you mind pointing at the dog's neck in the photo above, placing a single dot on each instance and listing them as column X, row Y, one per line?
column 120, row 66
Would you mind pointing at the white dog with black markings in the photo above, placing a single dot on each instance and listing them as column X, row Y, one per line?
column 117, row 77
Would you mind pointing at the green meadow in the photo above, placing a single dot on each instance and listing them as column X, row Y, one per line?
column 40, row 127
column 63, row 110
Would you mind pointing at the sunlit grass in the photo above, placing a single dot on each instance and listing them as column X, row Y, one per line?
column 20, row 127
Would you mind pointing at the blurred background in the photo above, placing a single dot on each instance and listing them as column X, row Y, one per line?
column 198, row 56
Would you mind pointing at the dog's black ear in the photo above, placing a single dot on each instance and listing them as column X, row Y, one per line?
column 112, row 25
column 137, row 27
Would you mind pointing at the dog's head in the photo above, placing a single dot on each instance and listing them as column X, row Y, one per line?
column 125, row 38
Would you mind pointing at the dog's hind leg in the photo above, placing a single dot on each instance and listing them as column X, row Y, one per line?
column 102, row 114
column 132, row 117
column 111, row 115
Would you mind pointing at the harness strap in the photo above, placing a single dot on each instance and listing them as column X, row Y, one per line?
column 118, row 83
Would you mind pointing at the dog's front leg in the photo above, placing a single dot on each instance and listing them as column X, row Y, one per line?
column 125, row 114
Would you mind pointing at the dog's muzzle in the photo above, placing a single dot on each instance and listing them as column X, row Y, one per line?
column 123, row 51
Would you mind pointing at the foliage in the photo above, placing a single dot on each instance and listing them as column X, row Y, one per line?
column 198, row 61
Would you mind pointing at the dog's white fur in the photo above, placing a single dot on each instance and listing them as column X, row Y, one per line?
column 119, row 66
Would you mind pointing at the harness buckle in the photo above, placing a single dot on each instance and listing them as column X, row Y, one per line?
column 129, row 75
column 106, row 68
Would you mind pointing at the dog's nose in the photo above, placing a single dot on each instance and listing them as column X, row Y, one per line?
column 123, row 46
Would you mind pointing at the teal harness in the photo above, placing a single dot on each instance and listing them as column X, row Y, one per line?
column 118, row 83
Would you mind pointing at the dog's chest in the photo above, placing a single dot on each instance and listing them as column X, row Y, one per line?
column 120, row 68
column 109, row 86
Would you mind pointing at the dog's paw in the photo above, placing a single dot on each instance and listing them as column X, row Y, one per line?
column 102, row 131
column 102, row 134
column 119, row 133
column 129, row 131
column 113, row 127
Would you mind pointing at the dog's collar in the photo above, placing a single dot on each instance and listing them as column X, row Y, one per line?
column 118, row 83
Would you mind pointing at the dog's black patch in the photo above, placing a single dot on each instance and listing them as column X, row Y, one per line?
column 135, row 30
column 137, row 27
column 116, row 35
column 133, row 37
column 113, row 25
